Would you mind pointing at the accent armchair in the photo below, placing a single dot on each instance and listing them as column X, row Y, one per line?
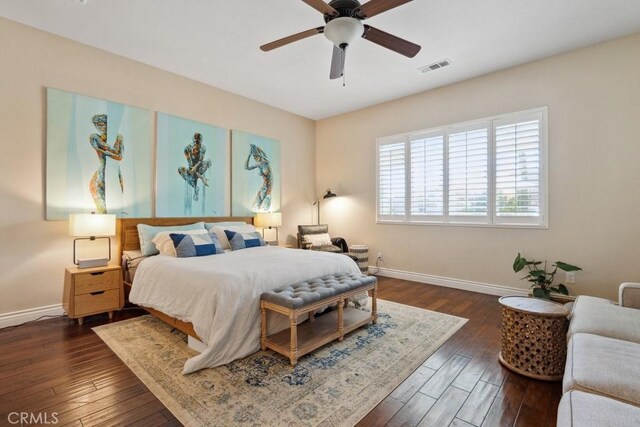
column 315, row 233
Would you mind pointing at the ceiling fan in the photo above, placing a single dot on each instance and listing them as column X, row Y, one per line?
column 343, row 26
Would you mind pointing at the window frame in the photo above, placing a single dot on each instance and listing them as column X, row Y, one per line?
column 492, row 219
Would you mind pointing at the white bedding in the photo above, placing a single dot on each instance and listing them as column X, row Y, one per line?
column 220, row 294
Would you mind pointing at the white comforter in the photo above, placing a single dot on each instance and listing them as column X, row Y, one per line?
column 220, row 294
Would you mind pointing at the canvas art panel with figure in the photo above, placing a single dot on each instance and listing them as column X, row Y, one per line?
column 98, row 157
column 255, row 174
column 191, row 168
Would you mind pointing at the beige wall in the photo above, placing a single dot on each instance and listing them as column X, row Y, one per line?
column 593, row 96
column 34, row 252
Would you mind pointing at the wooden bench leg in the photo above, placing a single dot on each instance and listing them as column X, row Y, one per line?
column 341, row 319
column 263, row 335
column 312, row 316
column 293, row 353
column 374, row 304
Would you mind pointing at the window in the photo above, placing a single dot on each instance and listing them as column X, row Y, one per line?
column 427, row 175
column 486, row 172
column 391, row 188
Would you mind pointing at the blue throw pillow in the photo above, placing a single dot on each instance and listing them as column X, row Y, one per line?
column 190, row 245
column 148, row 232
column 239, row 240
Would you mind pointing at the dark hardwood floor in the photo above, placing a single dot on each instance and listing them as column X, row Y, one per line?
column 58, row 366
column 463, row 384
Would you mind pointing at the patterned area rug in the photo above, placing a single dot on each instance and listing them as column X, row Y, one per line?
column 337, row 385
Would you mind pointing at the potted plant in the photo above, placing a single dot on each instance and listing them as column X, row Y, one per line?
column 541, row 279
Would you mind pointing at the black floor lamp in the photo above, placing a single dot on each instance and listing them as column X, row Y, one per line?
column 328, row 194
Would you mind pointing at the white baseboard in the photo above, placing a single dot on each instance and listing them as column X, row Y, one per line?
column 19, row 317
column 467, row 285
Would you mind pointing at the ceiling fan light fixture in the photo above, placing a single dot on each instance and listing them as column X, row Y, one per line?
column 343, row 31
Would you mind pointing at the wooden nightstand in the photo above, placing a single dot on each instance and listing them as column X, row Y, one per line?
column 90, row 291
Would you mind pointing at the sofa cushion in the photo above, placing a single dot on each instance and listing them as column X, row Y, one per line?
column 604, row 366
column 599, row 316
column 578, row 409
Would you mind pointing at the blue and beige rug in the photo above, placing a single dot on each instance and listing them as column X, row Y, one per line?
column 337, row 385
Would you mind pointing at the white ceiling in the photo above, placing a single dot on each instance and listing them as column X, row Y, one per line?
column 216, row 42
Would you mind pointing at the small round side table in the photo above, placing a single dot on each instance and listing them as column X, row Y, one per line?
column 534, row 337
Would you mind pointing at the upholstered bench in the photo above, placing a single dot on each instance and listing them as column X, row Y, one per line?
column 307, row 297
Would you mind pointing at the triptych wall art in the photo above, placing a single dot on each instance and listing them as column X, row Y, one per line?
column 97, row 156
column 256, row 174
column 191, row 176
column 100, row 156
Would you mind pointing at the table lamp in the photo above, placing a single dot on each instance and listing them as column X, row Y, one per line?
column 91, row 227
column 268, row 220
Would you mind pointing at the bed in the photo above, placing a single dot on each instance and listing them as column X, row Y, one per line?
column 216, row 299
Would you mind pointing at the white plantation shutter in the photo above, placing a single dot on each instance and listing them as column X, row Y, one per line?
column 518, row 165
column 391, row 180
column 468, row 180
column 427, row 175
column 485, row 172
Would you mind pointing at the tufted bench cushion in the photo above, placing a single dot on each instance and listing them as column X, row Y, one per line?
column 303, row 293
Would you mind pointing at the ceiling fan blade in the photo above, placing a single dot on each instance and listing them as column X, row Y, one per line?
column 337, row 62
column 375, row 7
column 391, row 42
column 290, row 39
column 321, row 6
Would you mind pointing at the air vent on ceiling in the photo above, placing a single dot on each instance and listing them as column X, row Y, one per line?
column 435, row 66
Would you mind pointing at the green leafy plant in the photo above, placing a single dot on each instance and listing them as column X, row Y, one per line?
column 541, row 279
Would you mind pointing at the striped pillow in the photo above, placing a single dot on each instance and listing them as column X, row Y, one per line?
column 191, row 245
column 239, row 240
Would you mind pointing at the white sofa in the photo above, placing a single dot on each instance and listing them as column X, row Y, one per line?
column 601, row 382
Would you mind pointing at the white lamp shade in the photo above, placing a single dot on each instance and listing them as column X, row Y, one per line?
column 87, row 225
column 268, row 219
column 343, row 30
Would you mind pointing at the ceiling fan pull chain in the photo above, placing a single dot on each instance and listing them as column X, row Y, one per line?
column 344, row 72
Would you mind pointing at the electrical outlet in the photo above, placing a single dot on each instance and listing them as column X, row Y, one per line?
column 380, row 256
column 570, row 277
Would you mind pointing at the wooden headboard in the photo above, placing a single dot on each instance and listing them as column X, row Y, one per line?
column 128, row 227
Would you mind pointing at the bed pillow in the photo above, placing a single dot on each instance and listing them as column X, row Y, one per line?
column 209, row 225
column 239, row 240
column 148, row 232
column 164, row 244
column 315, row 240
column 219, row 230
column 191, row 245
